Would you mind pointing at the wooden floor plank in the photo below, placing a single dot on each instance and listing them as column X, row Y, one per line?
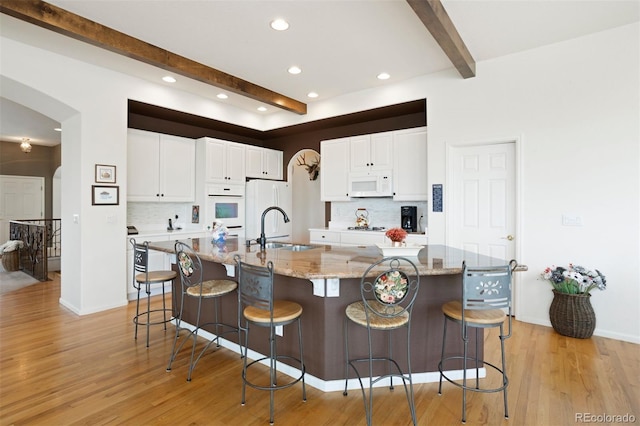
column 57, row 368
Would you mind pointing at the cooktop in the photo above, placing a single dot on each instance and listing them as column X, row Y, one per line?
column 366, row 228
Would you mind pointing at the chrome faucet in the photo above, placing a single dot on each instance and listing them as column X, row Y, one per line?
column 263, row 239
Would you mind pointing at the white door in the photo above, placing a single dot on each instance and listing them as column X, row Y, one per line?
column 482, row 209
column 21, row 197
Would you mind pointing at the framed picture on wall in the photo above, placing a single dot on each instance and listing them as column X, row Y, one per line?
column 105, row 173
column 105, row 195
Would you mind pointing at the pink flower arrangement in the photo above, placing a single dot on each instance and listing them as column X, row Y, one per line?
column 396, row 234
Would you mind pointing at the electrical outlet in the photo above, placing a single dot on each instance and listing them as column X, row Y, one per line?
column 571, row 220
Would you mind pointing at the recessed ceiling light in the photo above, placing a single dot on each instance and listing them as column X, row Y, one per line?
column 383, row 76
column 279, row 24
column 169, row 79
column 261, row 108
column 312, row 94
column 222, row 96
column 58, row 129
column 294, row 70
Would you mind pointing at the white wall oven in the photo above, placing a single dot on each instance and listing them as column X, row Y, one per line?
column 226, row 204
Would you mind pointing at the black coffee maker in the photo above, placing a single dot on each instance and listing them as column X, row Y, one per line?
column 409, row 218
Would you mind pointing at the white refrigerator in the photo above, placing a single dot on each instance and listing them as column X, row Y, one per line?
column 261, row 194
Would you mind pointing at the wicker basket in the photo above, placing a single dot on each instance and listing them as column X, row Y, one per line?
column 572, row 315
column 11, row 260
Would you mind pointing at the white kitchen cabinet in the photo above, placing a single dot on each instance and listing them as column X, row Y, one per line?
column 324, row 237
column 334, row 173
column 410, row 165
column 160, row 167
column 225, row 161
column 371, row 152
column 263, row 163
column 337, row 237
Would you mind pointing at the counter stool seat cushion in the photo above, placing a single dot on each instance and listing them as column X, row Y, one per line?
column 453, row 310
column 213, row 288
column 156, row 276
column 356, row 313
column 283, row 311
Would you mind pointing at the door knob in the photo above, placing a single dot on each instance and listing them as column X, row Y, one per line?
column 508, row 237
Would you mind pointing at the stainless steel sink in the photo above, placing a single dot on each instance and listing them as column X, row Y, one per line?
column 276, row 245
column 298, row 247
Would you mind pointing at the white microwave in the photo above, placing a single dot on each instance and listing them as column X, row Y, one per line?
column 371, row 184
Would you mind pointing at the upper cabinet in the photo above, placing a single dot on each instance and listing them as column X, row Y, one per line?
column 160, row 167
column 263, row 163
column 225, row 161
column 402, row 151
column 334, row 174
column 410, row 165
column 371, row 152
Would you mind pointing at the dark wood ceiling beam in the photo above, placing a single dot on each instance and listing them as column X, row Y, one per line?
column 435, row 18
column 48, row 16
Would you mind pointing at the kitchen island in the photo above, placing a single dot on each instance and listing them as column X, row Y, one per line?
column 324, row 280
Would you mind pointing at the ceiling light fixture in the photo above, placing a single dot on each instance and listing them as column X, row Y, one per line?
column 169, row 79
column 279, row 24
column 58, row 129
column 25, row 146
column 383, row 76
column 262, row 109
column 294, row 70
column 222, row 96
column 312, row 95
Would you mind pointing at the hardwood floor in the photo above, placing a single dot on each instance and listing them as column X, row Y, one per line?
column 58, row 368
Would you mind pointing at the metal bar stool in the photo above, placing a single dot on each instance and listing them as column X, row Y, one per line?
column 143, row 277
column 256, row 306
column 387, row 303
column 192, row 285
column 486, row 292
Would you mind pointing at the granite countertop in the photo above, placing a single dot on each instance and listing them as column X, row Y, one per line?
column 327, row 261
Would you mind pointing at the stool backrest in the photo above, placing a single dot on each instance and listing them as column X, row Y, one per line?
column 189, row 265
column 255, row 285
column 393, row 288
column 486, row 287
column 140, row 257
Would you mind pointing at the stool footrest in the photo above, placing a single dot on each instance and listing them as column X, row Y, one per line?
column 136, row 319
column 290, row 383
column 473, row 361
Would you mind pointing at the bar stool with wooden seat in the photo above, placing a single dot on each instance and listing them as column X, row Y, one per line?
column 387, row 303
column 256, row 306
column 486, row 292
column 193, row 286
column 144, row 278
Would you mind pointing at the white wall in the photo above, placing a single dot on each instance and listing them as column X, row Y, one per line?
column 574, row 106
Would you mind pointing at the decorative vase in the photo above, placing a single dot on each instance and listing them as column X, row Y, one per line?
column 397, row 244
column 572, row 315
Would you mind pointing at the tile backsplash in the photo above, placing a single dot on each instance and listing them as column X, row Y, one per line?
column 382, row 212
column 157, row 215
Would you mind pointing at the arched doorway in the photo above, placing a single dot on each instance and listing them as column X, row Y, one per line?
column 308, row 209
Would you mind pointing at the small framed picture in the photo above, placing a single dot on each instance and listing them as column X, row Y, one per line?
column 105, row 174
column 105, row 195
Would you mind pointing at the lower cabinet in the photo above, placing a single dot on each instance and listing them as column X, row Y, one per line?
column 358, row 238
column 324, row 237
